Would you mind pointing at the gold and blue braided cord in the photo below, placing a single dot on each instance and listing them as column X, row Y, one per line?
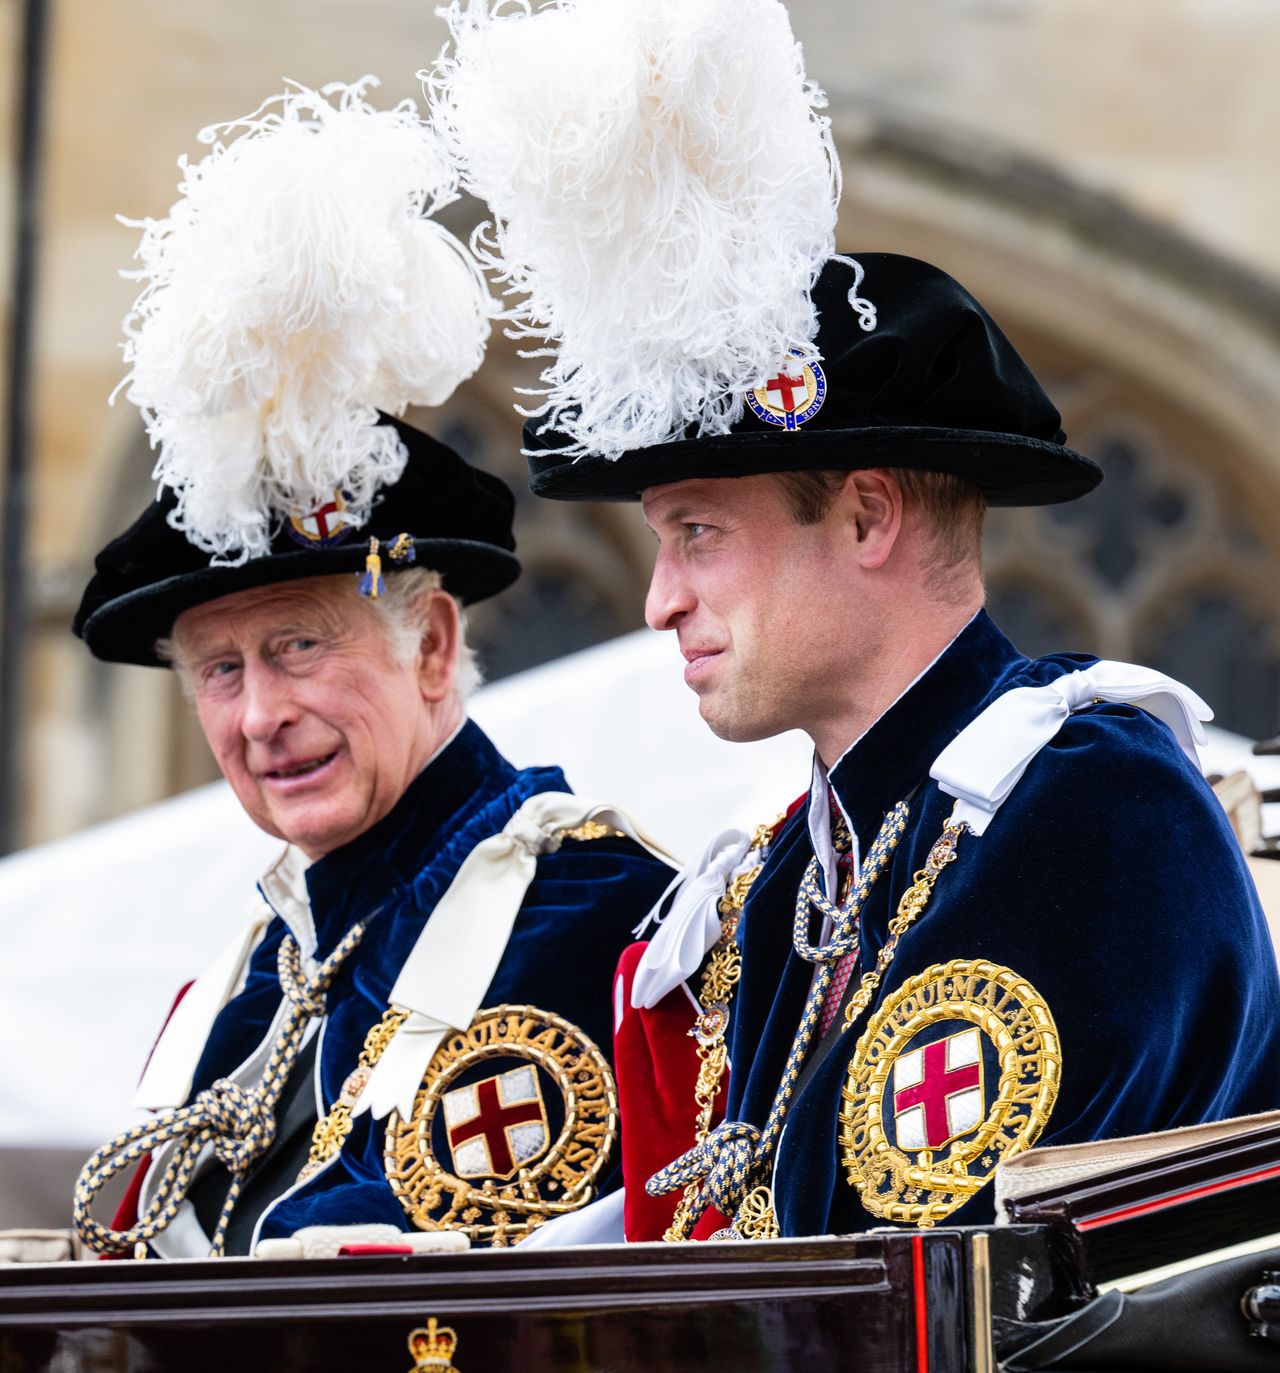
column 239, row 1122
column 736, row 1153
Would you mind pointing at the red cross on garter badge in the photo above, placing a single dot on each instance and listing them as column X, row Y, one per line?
column 513, row 1124
column 496, row 1125
column 958, row 1069
column 937, row 1094
column 790, row 396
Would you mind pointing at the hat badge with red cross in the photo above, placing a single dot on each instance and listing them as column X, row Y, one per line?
column 791, row 395
column 324, row 526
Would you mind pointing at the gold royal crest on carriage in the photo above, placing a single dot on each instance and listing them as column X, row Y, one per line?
column 432, row 1347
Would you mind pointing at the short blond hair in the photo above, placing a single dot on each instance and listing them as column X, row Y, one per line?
column 953, row 508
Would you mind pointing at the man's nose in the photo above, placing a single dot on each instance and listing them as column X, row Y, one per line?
column 267, row 703
column 669, row 596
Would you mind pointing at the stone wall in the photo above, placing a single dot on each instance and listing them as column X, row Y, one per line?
column 1100, row 174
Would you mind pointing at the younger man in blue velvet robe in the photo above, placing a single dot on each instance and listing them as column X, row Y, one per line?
column 1009, row 910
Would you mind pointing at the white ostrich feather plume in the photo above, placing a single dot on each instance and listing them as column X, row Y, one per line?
column 664, row 193
column 295, row 289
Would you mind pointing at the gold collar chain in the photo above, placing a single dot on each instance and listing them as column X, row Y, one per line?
column 715, row 996
column 756, row 1217
column 912, row 905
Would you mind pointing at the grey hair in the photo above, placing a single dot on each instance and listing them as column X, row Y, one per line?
column 401, row 609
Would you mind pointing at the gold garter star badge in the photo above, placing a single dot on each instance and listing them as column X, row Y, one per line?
column 958, row 1069
column 513, row 1124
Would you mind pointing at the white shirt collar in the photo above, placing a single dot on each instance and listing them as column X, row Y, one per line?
column 284, row 888
column 819, row 815
column 820, row 830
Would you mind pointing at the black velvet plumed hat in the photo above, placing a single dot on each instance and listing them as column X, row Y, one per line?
column 934, row 386
column 457, row 517
column 298, row 296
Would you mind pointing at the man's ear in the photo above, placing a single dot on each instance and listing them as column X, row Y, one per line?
column 438, row 650
column 871, row 504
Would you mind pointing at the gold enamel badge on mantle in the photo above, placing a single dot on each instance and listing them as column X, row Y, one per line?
column 513, row 1124
column 958, row 1069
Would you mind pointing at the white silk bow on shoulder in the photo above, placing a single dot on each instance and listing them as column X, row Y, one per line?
column 691, row 925
column 986, row 760
column 980, row 768
column 444, row 980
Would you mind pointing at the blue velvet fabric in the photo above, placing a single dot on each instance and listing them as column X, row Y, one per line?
column 1110, row 880
column 576, row 918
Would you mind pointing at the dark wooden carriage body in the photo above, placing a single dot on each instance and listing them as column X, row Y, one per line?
column 879, row 1303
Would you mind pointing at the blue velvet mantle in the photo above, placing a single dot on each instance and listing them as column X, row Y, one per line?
column 1110, row 880
column 576, row 918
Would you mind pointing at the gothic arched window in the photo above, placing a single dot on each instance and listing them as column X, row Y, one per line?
column 1161, row 565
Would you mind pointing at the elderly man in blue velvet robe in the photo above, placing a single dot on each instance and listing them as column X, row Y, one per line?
column 413, row 1037
column 340, row 723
